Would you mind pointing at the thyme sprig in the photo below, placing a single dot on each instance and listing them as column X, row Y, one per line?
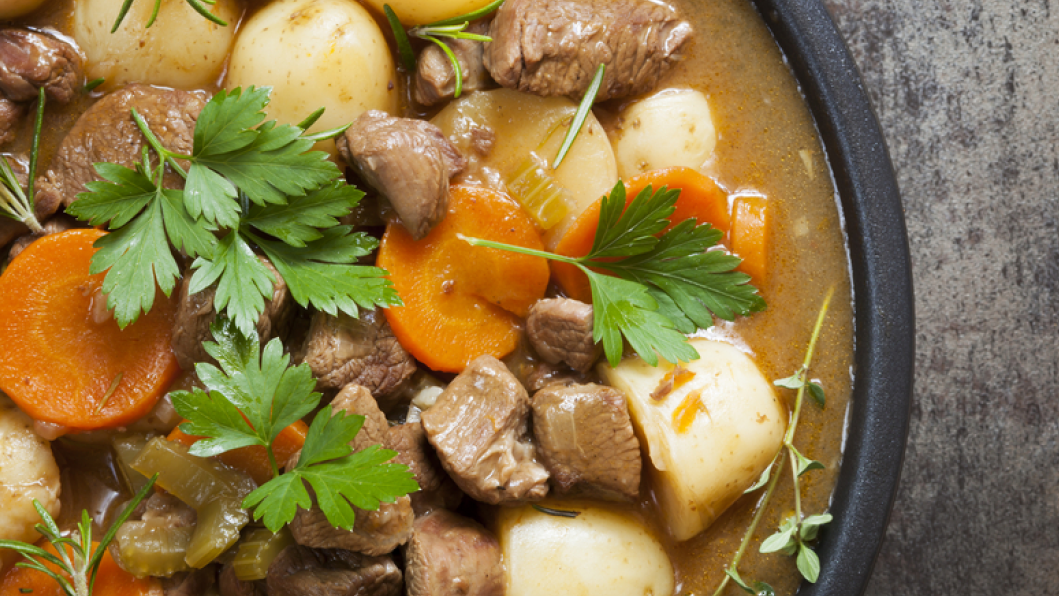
column 200, row 7
column 75, row 557
column 793, row 536
column 15, row 203
column 581, row 115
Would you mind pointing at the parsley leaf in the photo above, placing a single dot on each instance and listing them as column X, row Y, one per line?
column 243, row 281
column 251, row 398
column 297, row 221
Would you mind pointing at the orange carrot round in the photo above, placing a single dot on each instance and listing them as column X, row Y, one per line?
column 749, row 236
column 463, row 301
column 65, row 361
column 700, row 197
column 110, row 581
column 254, row 459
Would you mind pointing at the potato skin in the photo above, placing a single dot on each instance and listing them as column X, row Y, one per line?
column 315, row 53
column 670, row 128
column 422, row 12
column 181, row 49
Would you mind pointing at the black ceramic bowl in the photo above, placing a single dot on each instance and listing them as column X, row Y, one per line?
column 882, row 288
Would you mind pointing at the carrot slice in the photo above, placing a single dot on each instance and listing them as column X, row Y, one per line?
column 65, row 360
column 460, row 301
column 750, row 236
column 254, row 459
column 700, row 197
column 111, row 580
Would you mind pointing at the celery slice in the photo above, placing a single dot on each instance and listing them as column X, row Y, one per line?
column 257, row 551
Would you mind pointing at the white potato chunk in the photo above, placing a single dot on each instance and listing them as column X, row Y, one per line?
column 670, row 128
column 27, row 472
column 10, row 9
column 708, row 439
column 315, row 53
column 181, row 49
column 422, row 12
column 603, row 550
column 530, row 127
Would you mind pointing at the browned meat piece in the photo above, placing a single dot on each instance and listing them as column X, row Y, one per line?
column 195, row 314
column 10, row 117
column 480, row 428
column 43, row 207
column 300, row 571
column 409, row 161
column 374, row 532
column 436, row 489
column 544, row 374
column 435, row 80
column 107, row 132
column 560, row 330
column 342, row 350
column 553, row 47
column 59, row 223
column 450, row 555
column 170, row 510
column 191, row 583
column 230, row 585
column 31, row 60
column 586, row 441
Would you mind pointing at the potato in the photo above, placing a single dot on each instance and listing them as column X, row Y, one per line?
column 182, row 49
column 736, row 428
column 422, row 12
column 528, row 125
column 670, row 128
column 27, row 472
column 602, row 551
column 10, row 9
column 315, row 53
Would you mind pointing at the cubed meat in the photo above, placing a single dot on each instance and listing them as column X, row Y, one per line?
column 10, row 118
column 409, row 161
column 356, row 399
column 450, row 555
column 560, row 330
column 435, row 80
column 586, row 440
column 301, row 571
column 191, row 583
column 230, row 585
column 553, row 47
column 196, row 313
column 436, row 489
column 341, row 350
column 30, row 60
column 480, row 429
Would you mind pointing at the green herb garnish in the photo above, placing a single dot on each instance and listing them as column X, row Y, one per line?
column 91, row 86
column 77, row 560
column 251, row 399
column 582, row 113
column 795, row 533
column 250, row 183
column 199, row 6
column 453, row 28
column 15, row 203
column 665, row 286
column 556, row 512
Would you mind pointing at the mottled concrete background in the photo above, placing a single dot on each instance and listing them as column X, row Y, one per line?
column 968, row 95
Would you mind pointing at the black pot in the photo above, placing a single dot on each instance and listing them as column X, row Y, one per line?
column 882, row 288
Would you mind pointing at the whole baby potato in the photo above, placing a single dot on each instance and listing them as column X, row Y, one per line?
column 10, row 9
column 422, row 12
column 181, row 49
column 315, row 53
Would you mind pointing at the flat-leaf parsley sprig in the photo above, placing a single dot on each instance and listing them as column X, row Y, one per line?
column 250, row 184
column 252, row 397
column 662, row 285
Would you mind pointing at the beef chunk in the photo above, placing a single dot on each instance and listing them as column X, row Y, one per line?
column 195, row 314
column 450, row 555
column 230, row 585
column 59, row 223
column 553, row 47
column 342, row 350
column 173, row 512
column 374, row 532
column 106, row 132
column 10, row 116
column 409, row 161
column 435, row 80
column 480, row 428
column 30, row 60
column 191, row 583
column 300, row 571
column 436, row 489
column 586, row 441
column 560, row 330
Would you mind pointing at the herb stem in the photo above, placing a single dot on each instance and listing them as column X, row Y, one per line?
column 804, row 371
column 521, row 250
column 581, row 115
column 34, row 153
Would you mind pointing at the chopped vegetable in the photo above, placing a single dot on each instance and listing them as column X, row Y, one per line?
column 197, row 481
column 59, row 339
column 257, row 551
column 254, row 459
column 111, row 580
column 216, row 530
column 750, row 236
column 538, row 193
column 152, row 547
column 463, row 302
column 126, row 450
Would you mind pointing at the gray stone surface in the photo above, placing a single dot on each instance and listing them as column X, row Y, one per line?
column 968, row 95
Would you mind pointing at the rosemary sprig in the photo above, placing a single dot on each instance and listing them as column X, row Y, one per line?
column 795, row 533
column 199, row 6
column 14, row 203
column 77, row 561
column 581, row 115
column 452, row 28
